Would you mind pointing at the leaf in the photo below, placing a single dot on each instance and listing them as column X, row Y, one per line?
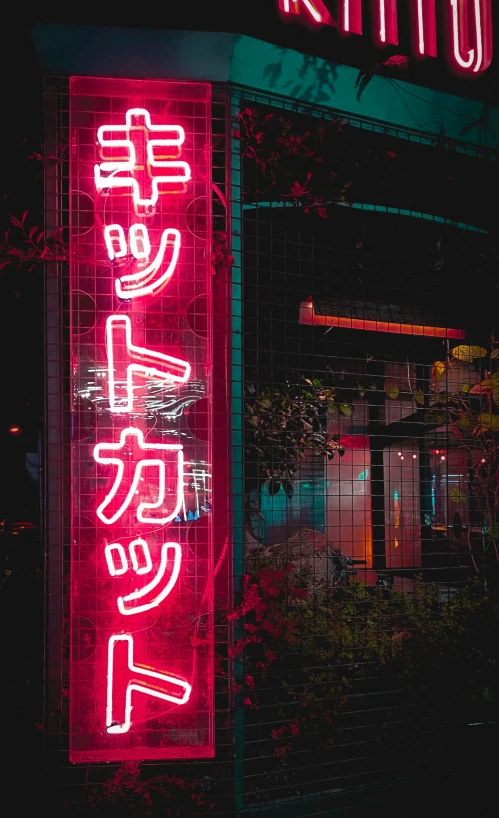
column 493, row 531
column 465, row 387
column 468, row 353
column 464, row 423
column 33, row 231
column 495, row 353
column 487, row 420
column 361, row 83
column 437, row 371
column 435, row 418
column 457, row 496
column 419, row 397
column 24, row 216
column 392, row 389
column 482, row 388
column 345, row 409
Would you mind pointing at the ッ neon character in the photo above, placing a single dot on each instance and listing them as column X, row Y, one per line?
column 141, row 564
column 154, row 276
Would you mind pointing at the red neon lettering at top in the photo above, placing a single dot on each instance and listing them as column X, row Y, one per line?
column 314, row 9
column 471, row 44
column 128, row 485
column 470, row 23
column 120, row 172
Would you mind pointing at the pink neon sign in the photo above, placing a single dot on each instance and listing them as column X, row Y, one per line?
column 140, row 475
column 469, row 23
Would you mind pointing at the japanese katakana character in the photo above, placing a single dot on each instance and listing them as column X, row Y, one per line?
column 315, row 9
column 153, row 169
column 127, row 361
column 130, row 486
column 154, row 592
column 124, row 678
column 151, row 279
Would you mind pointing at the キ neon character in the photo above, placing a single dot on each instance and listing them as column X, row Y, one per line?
column 159, row 165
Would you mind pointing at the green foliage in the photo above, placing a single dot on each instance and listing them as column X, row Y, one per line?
column 295, row 163
column 131, row 791
column 282, row 426
column 306, row 646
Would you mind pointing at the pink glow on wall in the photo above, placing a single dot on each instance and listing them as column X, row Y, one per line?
column 141, row 478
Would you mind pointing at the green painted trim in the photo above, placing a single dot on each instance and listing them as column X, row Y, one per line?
column 237, row 417
column 393, row 211
column 263, row 68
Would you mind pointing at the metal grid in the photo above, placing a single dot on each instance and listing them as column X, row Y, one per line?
column 390, row 260
column 282, row 258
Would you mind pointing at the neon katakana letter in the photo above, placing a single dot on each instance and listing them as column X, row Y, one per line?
column 425, row 27
column 118, row 172
column 126, row 361
column 163, row 582
column 130, row 485
column 315, row 10
column 386, row 30
column 151, row 279
column 351, row 16
column 124, row 678
column 471, row 44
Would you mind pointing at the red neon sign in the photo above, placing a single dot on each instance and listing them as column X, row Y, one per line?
column 469, row 23
column 141, row 477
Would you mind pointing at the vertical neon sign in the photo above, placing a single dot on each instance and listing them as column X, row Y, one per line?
column 141, row 668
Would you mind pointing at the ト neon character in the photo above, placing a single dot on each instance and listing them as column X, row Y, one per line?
column 126, row 361
column 125, row 678
column 130, row 487
column 155, row 170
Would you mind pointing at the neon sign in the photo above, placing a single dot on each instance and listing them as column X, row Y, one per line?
column 469, row 23
column 141, row 673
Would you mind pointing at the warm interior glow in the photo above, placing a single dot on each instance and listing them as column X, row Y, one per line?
column 308, row 316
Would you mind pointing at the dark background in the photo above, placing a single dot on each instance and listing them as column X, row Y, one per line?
column 21, row 300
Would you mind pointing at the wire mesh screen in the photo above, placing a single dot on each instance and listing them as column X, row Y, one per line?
column 351, row 519
column 366, row 520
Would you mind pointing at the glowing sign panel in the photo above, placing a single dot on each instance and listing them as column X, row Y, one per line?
column 140, row 270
